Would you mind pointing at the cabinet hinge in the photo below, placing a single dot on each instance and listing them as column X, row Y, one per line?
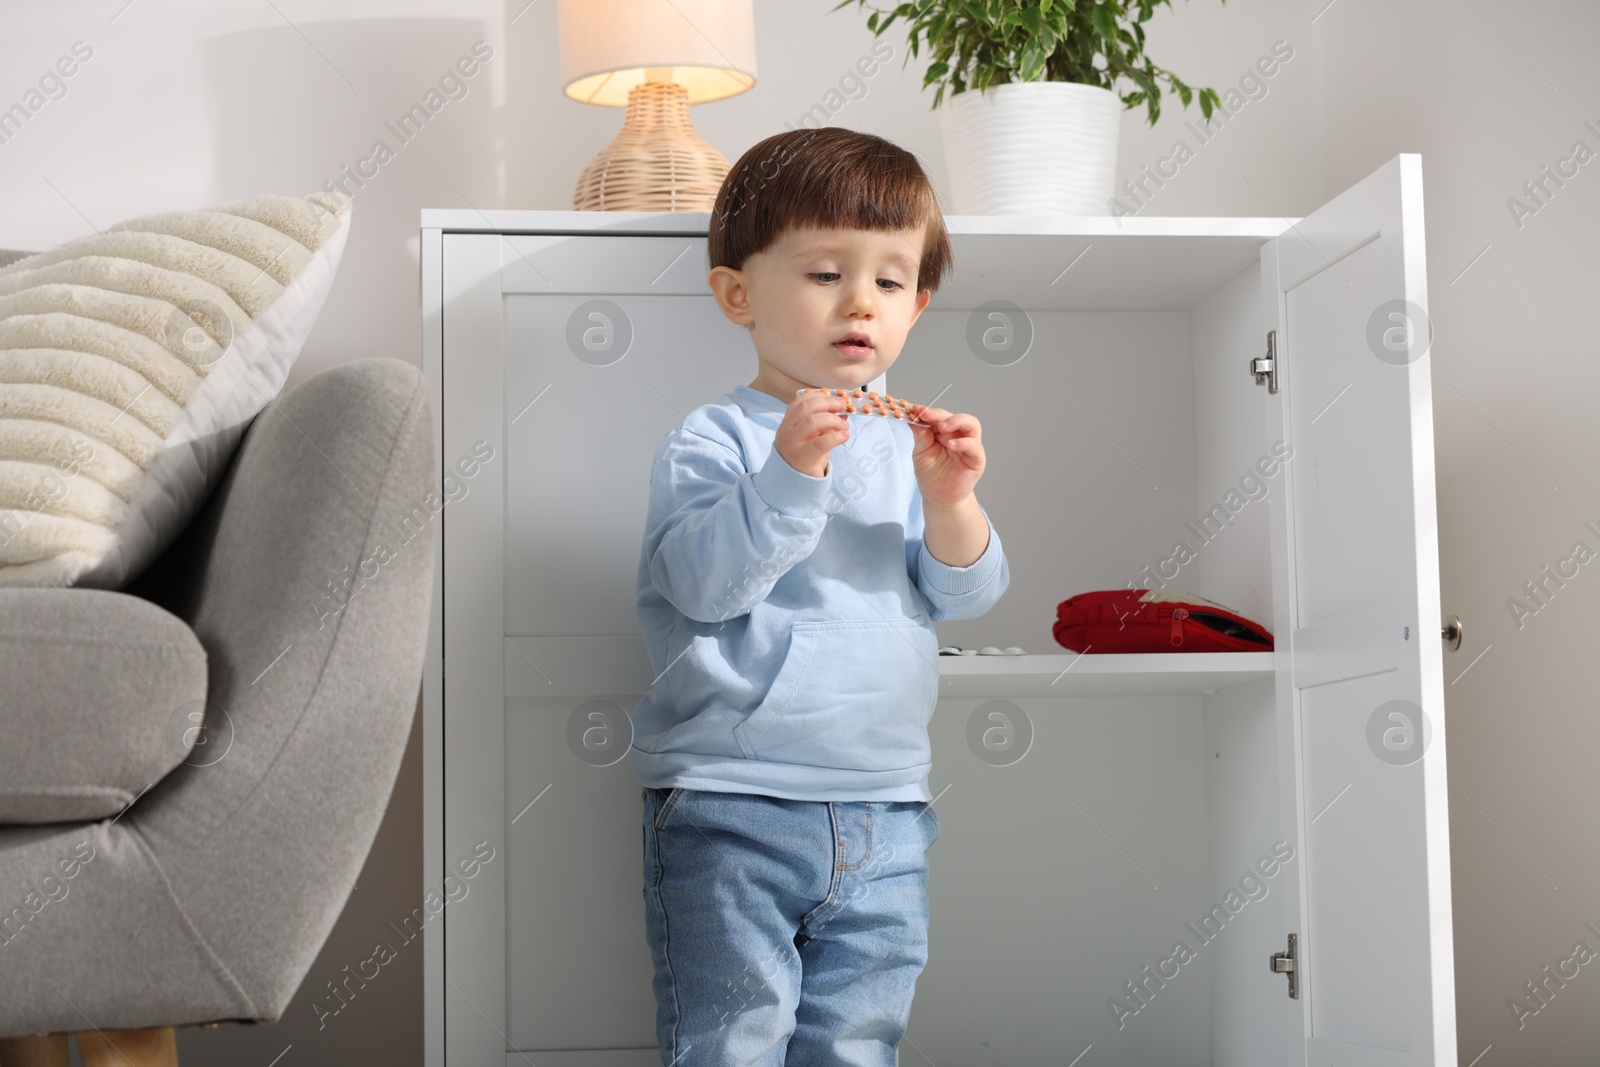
column 1265, row 368
column 1287, row 963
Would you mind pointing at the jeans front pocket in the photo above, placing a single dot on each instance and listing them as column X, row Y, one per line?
column 854, row 694
column 669, row 802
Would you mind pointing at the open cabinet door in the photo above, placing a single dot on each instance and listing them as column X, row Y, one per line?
column 1359, row 656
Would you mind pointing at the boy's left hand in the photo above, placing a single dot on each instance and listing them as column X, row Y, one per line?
column 948, row 458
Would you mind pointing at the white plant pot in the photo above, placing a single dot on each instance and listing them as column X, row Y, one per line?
column 1031, row 148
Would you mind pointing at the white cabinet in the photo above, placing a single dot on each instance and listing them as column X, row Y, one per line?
column 1098, row 812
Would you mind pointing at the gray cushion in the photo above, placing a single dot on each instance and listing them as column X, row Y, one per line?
column 99, row 689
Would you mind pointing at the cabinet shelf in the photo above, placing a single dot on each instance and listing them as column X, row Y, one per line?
column 1129, row 264
column 1100, row 675
column 564, row 665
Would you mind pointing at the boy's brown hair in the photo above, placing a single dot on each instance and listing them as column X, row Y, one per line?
column 825, row 177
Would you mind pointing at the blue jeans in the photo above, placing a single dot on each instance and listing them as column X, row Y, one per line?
column 785, row 933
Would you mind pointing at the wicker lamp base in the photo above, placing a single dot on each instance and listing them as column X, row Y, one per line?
column 657, row 162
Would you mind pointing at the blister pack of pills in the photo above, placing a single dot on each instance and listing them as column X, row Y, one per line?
column 986, row 650
column 870, row 402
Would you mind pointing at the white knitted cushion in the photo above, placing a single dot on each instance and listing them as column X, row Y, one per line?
column 130, row 364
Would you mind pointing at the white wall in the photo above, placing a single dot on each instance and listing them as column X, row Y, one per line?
column 178, row 110
column 188, row 104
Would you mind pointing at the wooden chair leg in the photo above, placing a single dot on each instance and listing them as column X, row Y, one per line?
column 40, row 1050
column 156, row 1047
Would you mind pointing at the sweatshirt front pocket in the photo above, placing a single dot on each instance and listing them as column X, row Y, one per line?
column 855, row 694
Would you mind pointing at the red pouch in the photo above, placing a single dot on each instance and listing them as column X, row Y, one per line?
column 1153, row 620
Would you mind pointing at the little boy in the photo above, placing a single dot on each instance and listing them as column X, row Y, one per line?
column 794, row 560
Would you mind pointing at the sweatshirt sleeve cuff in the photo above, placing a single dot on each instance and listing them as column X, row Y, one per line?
column 955, row 581
column 788, row 490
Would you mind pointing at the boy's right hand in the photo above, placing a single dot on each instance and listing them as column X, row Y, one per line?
column 813, row 426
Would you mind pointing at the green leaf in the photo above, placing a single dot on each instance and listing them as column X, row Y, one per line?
column 1105, row 24
column 1032, row 63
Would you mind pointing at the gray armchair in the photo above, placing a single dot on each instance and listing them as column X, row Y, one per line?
column 154, row 873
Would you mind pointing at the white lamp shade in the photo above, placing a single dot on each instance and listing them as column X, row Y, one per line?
column 607, row 47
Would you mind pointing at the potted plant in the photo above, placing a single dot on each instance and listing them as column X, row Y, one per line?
column 1039, row 134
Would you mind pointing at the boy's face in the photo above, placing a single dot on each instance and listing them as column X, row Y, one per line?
column 812, row 289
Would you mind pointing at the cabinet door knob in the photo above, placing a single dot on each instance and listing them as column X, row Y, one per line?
column 1451, row 631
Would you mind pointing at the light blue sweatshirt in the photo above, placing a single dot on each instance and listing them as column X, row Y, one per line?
column 789, row 618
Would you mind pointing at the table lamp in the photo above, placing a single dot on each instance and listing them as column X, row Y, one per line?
column 654, row 57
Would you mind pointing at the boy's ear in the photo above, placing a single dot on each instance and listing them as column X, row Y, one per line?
column 728, row 288
column 923, row 296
